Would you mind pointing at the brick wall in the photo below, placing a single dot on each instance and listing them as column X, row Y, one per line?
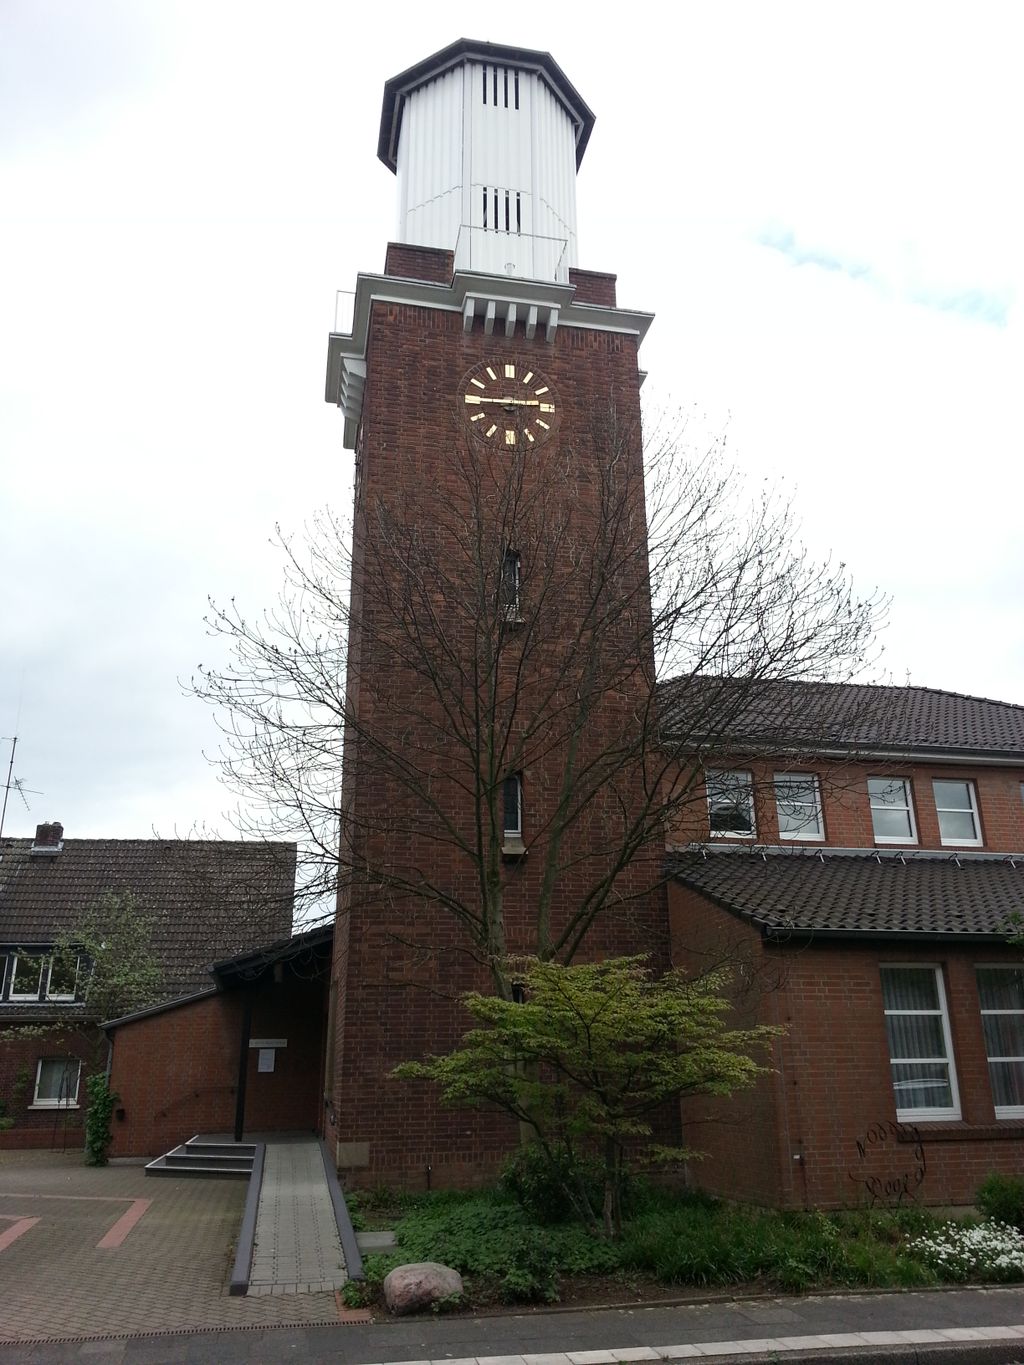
column 593, row 286
column 177, row 1071
column 401, row 962
column 823, row 1131
column 847, row 811
column 407, row 262
column 42, row 1127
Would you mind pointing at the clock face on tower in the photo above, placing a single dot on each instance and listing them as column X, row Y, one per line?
column 508, row 403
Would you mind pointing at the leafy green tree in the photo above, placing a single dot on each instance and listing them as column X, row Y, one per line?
column 107, row 960
column 588, row 1056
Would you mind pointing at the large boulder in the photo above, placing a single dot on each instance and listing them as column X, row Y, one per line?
column 410, row 1288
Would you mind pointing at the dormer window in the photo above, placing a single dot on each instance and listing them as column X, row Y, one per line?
column 27, row 972
column 62, row 977
column 35, row 978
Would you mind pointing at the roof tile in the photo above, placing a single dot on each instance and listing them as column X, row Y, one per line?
column 208, row 899
column 854, row 892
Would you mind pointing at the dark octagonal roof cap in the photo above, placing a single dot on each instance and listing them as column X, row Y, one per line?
column 468, row 49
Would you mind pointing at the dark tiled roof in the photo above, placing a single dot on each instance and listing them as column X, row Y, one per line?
column 858, row 893
column 208, row 900
column 848, row 715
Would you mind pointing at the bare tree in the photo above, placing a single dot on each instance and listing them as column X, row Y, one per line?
column 513, row 620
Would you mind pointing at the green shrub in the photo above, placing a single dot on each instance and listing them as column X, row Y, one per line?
column 491, row 1237
column 98, row 1132
column 1001, row 1198
column 358, row 1294
column 550, row 1185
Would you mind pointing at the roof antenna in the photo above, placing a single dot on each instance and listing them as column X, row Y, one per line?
column 16, row 784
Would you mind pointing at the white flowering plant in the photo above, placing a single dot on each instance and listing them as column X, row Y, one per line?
column 972, row 1251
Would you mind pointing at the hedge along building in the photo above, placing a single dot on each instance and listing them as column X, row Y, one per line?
column 499, row 657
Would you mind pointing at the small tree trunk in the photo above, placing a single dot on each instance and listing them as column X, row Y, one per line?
column 610, row 1183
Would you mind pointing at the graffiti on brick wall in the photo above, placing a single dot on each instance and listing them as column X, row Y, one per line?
column 890, row 1165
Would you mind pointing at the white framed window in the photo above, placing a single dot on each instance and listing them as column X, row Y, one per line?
column 920, row 1045
column 26, row 976
column 892, row 810
column 62, row 978
column 1001, row 995
column 57, row 1083
column 798, row 802
column 730, row 803
column 956, row 805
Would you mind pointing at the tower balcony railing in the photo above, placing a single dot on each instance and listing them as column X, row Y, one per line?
column 344, row 311
column 519, row 255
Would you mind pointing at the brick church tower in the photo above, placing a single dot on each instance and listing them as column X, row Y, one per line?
column 500, row 665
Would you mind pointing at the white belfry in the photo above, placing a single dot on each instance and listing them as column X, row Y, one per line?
column 485, row 141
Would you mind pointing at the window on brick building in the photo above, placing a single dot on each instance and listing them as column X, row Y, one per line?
column 1001, row 993
column 798, row 802
column 957, row 808
column 512, row 813
column 730, row 803
column 57, row 1083
column 892, row 810
column 920, row 1046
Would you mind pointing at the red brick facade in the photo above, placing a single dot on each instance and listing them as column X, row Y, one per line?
column 847, row 812
column 400, row 960
column 825, row 1119
column 828, row 1134
column 41, row 1125
column 176, row 1070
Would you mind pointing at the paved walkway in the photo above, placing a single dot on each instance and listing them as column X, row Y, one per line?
column 77, row 1269
column 958, row 1327
column 297, row 1250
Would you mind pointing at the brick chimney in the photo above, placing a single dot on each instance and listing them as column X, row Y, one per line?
column 49, row 840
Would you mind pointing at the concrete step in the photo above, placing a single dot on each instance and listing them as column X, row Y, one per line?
column 207, row 1148
column 197, row 1168
column 182, row 1156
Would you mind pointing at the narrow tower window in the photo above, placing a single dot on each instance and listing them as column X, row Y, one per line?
column 484, row 70
column 517, row 88
column 508, row 595
column 512, row 802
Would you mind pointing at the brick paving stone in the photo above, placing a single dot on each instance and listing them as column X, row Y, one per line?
column 296, row 1242
column 171, row 1271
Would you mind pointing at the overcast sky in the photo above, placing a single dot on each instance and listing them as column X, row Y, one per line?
column 821, row 203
